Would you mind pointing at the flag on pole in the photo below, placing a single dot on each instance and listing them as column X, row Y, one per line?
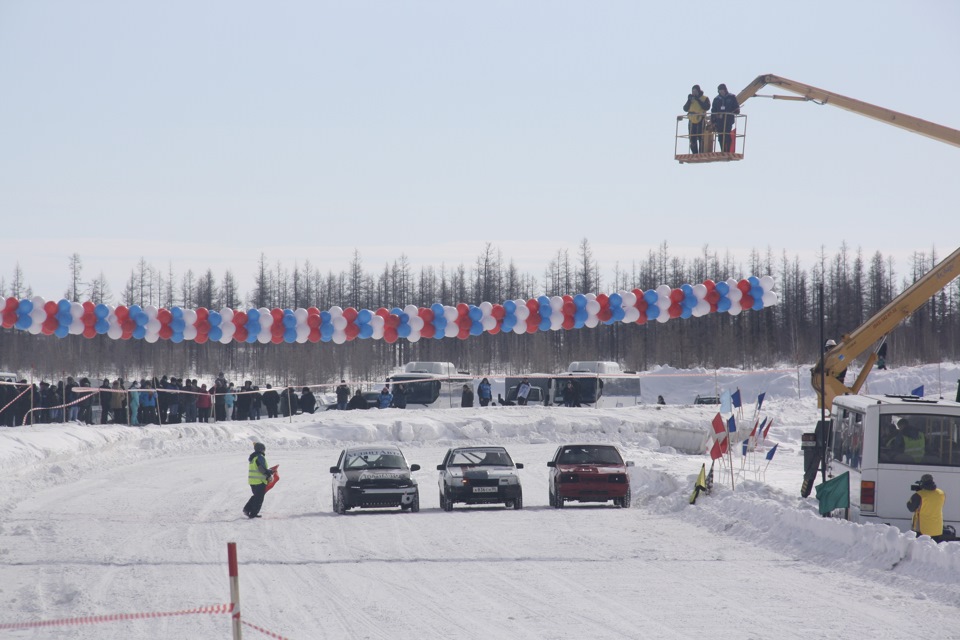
column 772, row 452
column 766, row 429
column 917, row 392
column 725, row 402
column 746, row 443
column 834, row 494
column 735, row 398
column 700, row 484
column 715, row 450
column 760, row 400
column 732, row 425
column 753, row 432
column 718, row 424
column 710, row 479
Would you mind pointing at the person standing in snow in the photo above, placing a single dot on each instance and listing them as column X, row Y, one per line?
column 399, row 397
column 523, row 391
column 308, row 401
column 384, row 399
column 926, row 505
column 270, row 400
column 466, row 398
column 484, row 392
column 258, row 476
column 343, row 395
column 134, row 396
column 358, row 401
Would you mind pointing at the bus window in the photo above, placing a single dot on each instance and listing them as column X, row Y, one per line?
column 848, row 438
column 920, row 439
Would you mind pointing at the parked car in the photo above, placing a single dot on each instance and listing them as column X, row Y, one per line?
column 479, row 475
column 706, row 400
column 374, row 476
column 588, row 473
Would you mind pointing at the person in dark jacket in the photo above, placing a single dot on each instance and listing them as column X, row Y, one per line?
column 343, row 395
column 723, row 116
column 255, row 403
column 358, row 401
column 484, row 392
column 399, row 397
column 271, row 399
column 308, row 402
column 220, row 401
column 466, row 398
column 105, row 401
column 696, row 107
column 244, row 400
column 258, row 476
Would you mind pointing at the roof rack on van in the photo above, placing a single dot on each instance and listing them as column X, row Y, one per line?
column 910, row 398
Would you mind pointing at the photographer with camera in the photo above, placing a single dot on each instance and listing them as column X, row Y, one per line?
column 926, row 505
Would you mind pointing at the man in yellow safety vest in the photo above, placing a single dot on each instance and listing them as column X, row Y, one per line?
column 926, row 505
column 258, row 475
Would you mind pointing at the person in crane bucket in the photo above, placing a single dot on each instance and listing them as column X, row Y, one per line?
column 723, row 116
column 696, row 107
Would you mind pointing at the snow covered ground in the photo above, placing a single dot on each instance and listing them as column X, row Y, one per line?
column 102, row 520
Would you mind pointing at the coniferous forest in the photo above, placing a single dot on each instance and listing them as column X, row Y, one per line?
column 855, row 285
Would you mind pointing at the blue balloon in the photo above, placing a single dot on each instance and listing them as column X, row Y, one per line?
column 396, row 311
column 723, row 288
column 142, row 319
column 139, row 333
column 618, row 314
column 653, row 312
column 326, row 330
column 325, row 317
column 440, row 323
column 23, row 322
column 437, row 309
column 543, row 300
column 476, row 328
column 546, row 311
column 101, row 311
column 252, row 335
column 253, row 328
column 101, row 327
column 615, row 299
column 578, row 324
column 290, row 335
column 134, row 309
column 64, row 318
column 580, row 301
column 26, row 307
column 580, row 315
column 178, row 325
column 723, row 304
column 63, row 306
column 177, row 337
column 364, row 316
column 289, row 321
column 544, row 324
column 687, row 289
column 253, row 315
column 510, row 306
column 177, row 312
column 475, row 313
column 324, row 338
column 689, row 302
column 509, row 322
column 366, row 331
column 215, row 332
column 214, row 318
column 651, row 297
column 686, row 312
column 61, row 331
column 403, row 330
column 404, row 317
column 754, row 281
column 756, row 292
column 757, row 304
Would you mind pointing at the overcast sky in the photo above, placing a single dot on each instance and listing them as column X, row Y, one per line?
column 200, row 134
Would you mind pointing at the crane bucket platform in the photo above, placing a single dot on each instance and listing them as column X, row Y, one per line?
column 699, row 142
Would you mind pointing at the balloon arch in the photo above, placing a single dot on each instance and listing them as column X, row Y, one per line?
column 62, row 318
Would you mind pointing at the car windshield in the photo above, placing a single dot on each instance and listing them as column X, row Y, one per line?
column 374, row 460
column 589, row 454
column 484, row 458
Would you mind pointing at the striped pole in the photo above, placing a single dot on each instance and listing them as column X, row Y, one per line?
column 234, row 590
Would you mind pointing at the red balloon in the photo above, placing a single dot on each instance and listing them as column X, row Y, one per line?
column 203, row 326
column 492, row 332
column 675, row 310
column 313, row 311
column 534, row 306
column 350, row 314
column 240, row 335
column 200, row 339
column 643, row 317
column 313, row 321
column 498, row 312
column 13, row 303
column 277, row 338
column 464, row 321
column 89, row 319
column 314, row 335
column 713, row 307
column 604, row 314
column 163, row 315
column 392, row 321
column 568, row 323
column 603, row 299
column 642, row 306
column 50, row 307
column 744, row 285
column 89, row 332
column 121, row 312
column 126, row 335
column 639, row 294
column 533, row 324
column 464, row 333
column 351, row 330
column 569, row 308
column 463, row 309
column 165, row 332
column 277, row 329
column 203, row 313
column 426, row 315
column 710, row 284
column 239, row 319
column 383, row 313
column 746, row 302
column 428, row 330
column 713, row 296
column 9, row 319
column 390, row 334
column 48, row 327
column 676, row 295
column 127, row 324
column 277, row 315
column 567, row 298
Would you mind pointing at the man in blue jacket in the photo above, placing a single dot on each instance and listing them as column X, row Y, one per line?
column 723, row 116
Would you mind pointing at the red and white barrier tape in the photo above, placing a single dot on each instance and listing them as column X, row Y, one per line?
column 7, row 406
column 212, row 609
column 264, row 631
column 59, row 406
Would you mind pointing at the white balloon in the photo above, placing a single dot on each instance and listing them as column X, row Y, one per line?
column 451, row 314
column 700, row 290
column 303, row 334
column 663, row 290
column 114, row 332
column 377, row 323
column 264, row 337
column 377, row 330
column 339, row 323
column 76, row 310
column 663, row 302
column 520, row 328
column 770, row 298
column 189, row 332
column 414, row 336
column 38, row 315
column 451, row 330
column 735, row 309
column 228, row 330
column 300, row 314
column 522, row 313
column 630, row 315
column 227, row 315
column 151, row 311
column 767, row 283
column 266, row 320
column 663, row 317
column 226, row 339
column 556, row 320
column 629, row 299
column 590, row 296
column 591, row 322
column 151, row 337
column 593, row 307
column 416, row 323
column 556, row 303
column 735, row 295
column 38, row 302
column 488, row 322
column 152, row 326
column 702, row 309
column 189, row 316
column 486, row 307
column 411, row 310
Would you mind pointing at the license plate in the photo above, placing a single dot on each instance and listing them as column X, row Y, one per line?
column 484, row 489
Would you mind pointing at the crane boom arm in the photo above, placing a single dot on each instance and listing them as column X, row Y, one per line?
column 861, row 339
column 902, row 120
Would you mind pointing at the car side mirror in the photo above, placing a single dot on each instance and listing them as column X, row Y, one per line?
column 414, row 467
column 439, row 467
column 551, row 464
column 629, row 463
column 334, row 469
column 519, row 465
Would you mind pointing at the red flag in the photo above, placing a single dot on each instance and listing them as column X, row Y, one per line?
column 767, row 429
column 715, row 451
column 718, row 426
column 754, row 431
column 723, row 446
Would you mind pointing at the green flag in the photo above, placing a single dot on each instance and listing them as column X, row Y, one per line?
column 834, row 494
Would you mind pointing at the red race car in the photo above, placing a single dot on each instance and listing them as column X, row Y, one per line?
column 589, row 473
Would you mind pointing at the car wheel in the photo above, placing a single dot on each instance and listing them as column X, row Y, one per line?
column 625, row 500
column 447, row 502
column 551, row 500
column 558, row 502
column 415, row 505
column 443, row 502
column 339, row 505
column 518, row 503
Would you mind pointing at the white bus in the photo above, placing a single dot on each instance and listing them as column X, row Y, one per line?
column 431, row 384
column 601, row 384
column 887, row 443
